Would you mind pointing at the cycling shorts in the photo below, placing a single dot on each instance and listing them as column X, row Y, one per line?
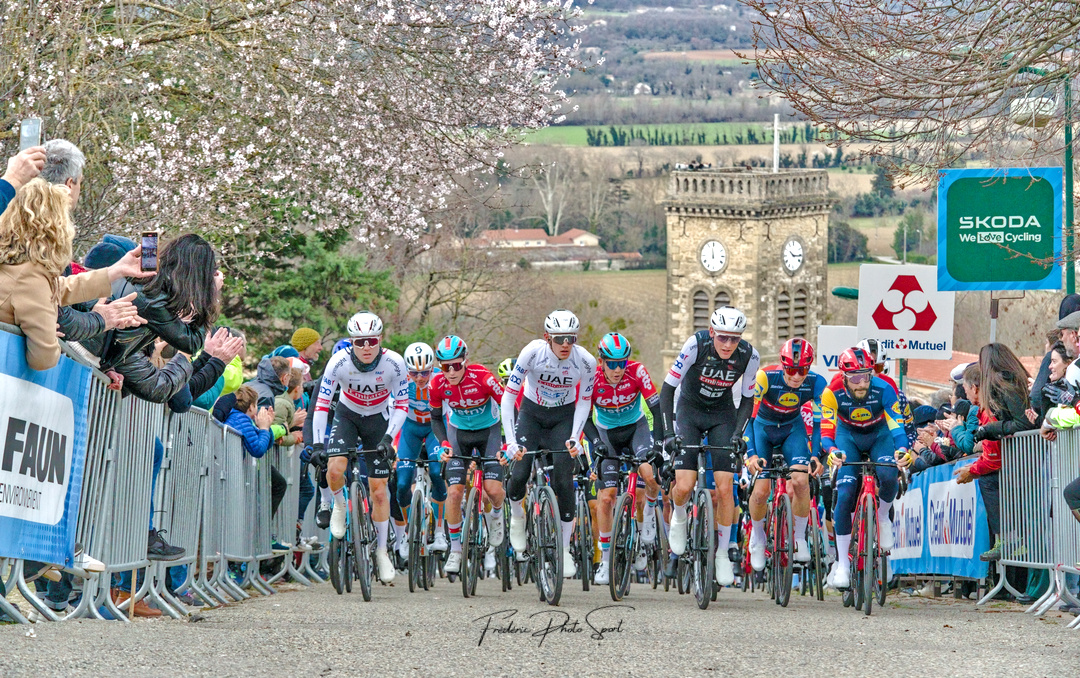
column 485, row 443
column 789, row 438
column 693, row 425
column 634, row 438
column 352, row 431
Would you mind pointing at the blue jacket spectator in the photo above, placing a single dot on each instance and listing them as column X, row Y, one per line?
column 253, row 424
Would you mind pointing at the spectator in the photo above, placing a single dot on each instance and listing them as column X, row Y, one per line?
column 286, row 413
column 80, row 322
column 1059, row 363
column 928, row 449
column 179, row 303
column 271, row 378
column 962, row 426
column 231, row 378
column 35, row 246
column 1069, row 325
column 309, row 345
column 21, row 168
column 64, row 165
column 1004, row 391
column 252, row 422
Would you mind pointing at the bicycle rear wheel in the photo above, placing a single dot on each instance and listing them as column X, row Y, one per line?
column 783, row 551
column 363, row 534
column 868, row 555
column 417, row 559
column 882, row 578
column 622, row 554
column 817, row 559
column 703, row 548
column 584, row 542
column 549, row 562
column 472, row 555
column 337, row 563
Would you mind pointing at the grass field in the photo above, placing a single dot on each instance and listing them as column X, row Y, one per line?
column 720, row 57
column 879, row 233
column 574, row 135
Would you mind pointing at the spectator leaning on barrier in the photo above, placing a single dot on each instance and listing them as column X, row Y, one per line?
column 928, row 449
column 253, row 423
column 35, row 246
column 1049, row 413
column 1066, row 330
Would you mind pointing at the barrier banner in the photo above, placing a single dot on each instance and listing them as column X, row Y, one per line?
column 940, row 526
column 43, row 437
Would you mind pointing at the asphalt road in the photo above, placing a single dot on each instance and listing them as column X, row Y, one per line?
column 318, row 633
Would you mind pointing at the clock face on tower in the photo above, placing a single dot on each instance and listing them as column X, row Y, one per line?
column 713, row 256
column 792, row 255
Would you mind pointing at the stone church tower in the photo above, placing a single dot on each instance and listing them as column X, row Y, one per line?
column 752, row 239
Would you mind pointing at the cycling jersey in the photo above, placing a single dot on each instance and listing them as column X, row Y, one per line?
column 779, row 403
column 550, row 383
column 419, row 406
column 706, row 378
column 473, row 402
column 880, row 408
column 384, row 390
column 907, row 419
column 620, row 405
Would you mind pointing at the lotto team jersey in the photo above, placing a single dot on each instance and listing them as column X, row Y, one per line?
column 419, row 407
column 706, row 378
column 879, row 407
column 550, row 382
column 620, row 405
column 473, row 403
column 777, row 402
column 384, row 390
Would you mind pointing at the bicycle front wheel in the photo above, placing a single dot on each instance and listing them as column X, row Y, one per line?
column 417, row 561
column 868, row 555
column 703, row 548
column 783, row 551
column 549, row 562
column 817, row 558
column 363, row 536
column 621, row 557
column 583, row 537
column 337, row 564
column 472, row 555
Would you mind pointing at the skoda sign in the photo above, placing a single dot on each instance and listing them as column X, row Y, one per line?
column 1000, row 229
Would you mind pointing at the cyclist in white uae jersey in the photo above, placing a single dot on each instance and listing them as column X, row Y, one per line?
column 556, row 376
column 373, row 406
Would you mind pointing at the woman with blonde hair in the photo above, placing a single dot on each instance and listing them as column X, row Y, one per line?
column 35, row 246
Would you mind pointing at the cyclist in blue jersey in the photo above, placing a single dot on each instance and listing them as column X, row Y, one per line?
column 778, row 426
column 860, row 420
column 416, row 435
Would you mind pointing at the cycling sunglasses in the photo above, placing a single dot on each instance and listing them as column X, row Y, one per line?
column 616, row 364
column 792, row 371
column 453, row 367
column 366, row 342
column 564, row 339
column 728, row 339
column 858, row 377
column 421, row 373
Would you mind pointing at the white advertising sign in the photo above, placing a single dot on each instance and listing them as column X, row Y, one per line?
column 908, row 525
column 901, row 307
column 950, row 527
column 37, row 433
column 832, row 340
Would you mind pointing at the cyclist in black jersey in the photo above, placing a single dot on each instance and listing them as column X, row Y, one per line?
column 707, row 370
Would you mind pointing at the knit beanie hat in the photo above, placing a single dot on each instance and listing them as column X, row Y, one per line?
column 110, row 250
column 303, row 337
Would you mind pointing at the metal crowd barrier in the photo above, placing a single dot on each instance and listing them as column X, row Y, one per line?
column 287, row 461
column 1037, row 529
column 310, row 529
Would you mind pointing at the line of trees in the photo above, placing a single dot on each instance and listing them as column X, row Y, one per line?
column 690, row 136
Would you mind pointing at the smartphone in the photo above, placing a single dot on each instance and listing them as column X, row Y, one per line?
column 30, row 133
column 149, row 250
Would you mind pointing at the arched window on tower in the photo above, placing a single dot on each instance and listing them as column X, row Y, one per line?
column 783, row 315
column 798, row 313
column 701, row 310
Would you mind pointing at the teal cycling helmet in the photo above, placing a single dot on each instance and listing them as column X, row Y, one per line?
column 614, row 346
column 451, row 348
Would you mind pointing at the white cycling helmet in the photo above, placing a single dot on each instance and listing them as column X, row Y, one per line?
column 561, row 322
column 365, row 324
column 728, row 319
column 419, row 357
column 873, row 347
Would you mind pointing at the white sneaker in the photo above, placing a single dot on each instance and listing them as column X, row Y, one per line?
column 831, row 576
column 648, row 532
column 757, row 555
column 841, row 577
column 725, row 575
column 440, row 541
column 386, row 568
column 496, row 528
column 337, row 520
column 569, row 567
column 641, row 562
column 885, row 535
column 518, row 539
column 677, row 535
column 802, row 551
column 453, row 563
column 88, row 563
column 602, row 577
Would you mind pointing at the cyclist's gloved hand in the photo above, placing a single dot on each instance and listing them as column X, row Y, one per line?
column 318, row 455
column 1061, row 395
column 739, row 444
column 305, row 454
column 445, row 452
column 574, row 448
column 836, row 458
column 386, row 447
column 671, row 444
column 755, row 464
column 514, row 452
column 599, row 449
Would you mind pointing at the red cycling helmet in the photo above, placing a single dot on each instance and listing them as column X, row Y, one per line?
column 797, row 353
column 855, row 360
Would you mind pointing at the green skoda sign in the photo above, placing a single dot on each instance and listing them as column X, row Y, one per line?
column 1000, row 229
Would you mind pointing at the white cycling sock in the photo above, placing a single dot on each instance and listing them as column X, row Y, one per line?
column 455, row 537
column 326, row 495
column 399, row 533
column 800, row 526
column 723, row 536
column 843, row 541
column 757, row 531
column 883, row 512
column 382, row 527
column 605, row 546
column 517, row 511
column 649, row 510
column 640, row 526
column 338, row 495
column 679, row 512
column 567, row 532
